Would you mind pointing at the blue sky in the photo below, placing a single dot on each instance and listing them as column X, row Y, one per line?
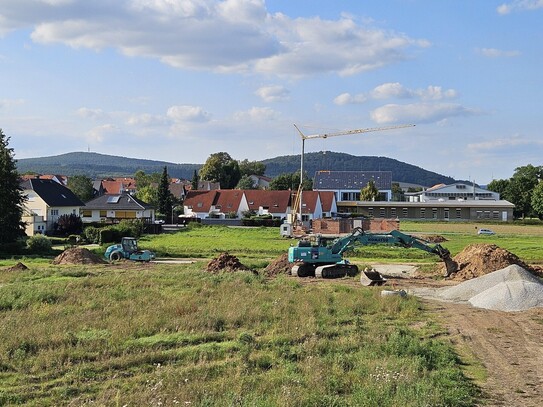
column 178, row 80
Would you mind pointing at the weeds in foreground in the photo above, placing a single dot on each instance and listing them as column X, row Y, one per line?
column 174, row 335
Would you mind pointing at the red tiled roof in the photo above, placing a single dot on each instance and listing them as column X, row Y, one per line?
column 327, row 198
column 275, row 201
column 200, row 201
column 228, row 200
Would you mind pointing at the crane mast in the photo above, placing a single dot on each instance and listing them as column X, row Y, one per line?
column 297, row 208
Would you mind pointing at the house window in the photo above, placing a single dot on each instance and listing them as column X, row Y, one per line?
column 404, row 212
column 87, row 213
column 458, row 213
column 393, row 212
column 446, row 213
column 496, row 214
column 422, row 212
column 103, row 214
column 370, row 212
column 54, row 212
column 200, row 204
column 434, row 213
column 382, row 212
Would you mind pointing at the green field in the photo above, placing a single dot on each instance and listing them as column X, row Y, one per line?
column 165, row 335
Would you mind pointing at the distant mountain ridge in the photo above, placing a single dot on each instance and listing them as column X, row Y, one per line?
column 97, row 165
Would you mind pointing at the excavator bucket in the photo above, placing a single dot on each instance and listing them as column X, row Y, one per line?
column 450, row 266
column 371, row 277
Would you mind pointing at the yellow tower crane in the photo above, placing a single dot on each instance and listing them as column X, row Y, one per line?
column 297, row 207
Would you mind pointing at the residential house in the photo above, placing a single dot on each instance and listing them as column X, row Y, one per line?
column 265, row 202
column 47, row 200
column 346, row 185
column 453, row 192
column 116, row 186
column 221, row 204
column 260, row 181
column 114, row 208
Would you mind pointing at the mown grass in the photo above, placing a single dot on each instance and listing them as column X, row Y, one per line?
column 175, row 335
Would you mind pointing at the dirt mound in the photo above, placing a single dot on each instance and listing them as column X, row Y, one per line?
column 280, row 265
column 78, row 255
column 18, row 267
column 433, row 238
column 226, row 262
column 479, row 259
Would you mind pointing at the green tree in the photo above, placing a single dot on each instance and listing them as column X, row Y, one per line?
column 369, row 192
column 246, row 182
column 291, row 181
column 247, row 167
column 81, row 186
column 397, row 192
column 221, row 168
column 11, row 195
column 537, row 200
column 148, row 194
column 164, row 195
column 195, row 181
column 143, row 180
column 499, row 186
column 70, row 224
column 519, row 190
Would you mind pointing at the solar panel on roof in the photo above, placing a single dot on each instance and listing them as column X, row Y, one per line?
column 113, row 199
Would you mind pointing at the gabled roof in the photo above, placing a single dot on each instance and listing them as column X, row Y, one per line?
column 353, row 180
column 53, row 193
column 327, row 199
column 200, row 201
column 309, row 201
column 228, row 200
column 117, row 202
column 274, row 201
column 118, row 185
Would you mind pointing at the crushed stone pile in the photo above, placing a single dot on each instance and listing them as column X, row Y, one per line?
column 18, row 267
column 512, row 288
column 280, row 265
column 78, row 255
column 478, row 259
column 226, row 262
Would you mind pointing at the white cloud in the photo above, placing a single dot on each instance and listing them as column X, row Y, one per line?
column 273, row 93
column 6, row 103
column 396, row 90
column 496, row 53
column 147, row 120
column 221, row 36
column 257, row 114
column 504, row 144
column 419, row 112
column 88, row 113
column 519, row 5
column 347, row 99
column 98, row 134
column 194, row 114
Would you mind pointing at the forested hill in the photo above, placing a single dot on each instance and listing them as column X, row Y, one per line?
column 401, row 172
column 97, row 165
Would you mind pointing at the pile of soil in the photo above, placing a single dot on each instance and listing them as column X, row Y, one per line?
column 432, row 238
column 78, row 255
column 226, row 262
column 280, row 265
column 479, row 259
column 18, row 267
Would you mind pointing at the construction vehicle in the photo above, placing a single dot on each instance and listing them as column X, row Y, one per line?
column 128, row 249
column 323, row 257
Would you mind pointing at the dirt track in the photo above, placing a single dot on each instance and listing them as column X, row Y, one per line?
column 509, row 345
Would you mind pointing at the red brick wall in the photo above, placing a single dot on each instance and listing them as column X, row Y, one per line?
column 341, row 226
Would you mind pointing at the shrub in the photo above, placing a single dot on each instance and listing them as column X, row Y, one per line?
column 39, row 244
column 91, row 234
column 106, row 235
column 133, row 228
column 70, row 224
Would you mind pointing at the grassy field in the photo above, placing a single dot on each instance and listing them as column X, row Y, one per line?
column 165, row 335
column 174, row 335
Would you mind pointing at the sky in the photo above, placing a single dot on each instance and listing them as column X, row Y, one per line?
column 179, row 80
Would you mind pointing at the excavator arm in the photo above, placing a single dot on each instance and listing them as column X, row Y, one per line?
column 397, row 238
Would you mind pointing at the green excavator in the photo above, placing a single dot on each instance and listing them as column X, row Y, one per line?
column 323, row 257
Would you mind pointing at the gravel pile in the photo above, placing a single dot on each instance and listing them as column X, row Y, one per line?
column 512, row 288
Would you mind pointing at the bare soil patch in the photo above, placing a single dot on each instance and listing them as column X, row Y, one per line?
column 280, row 265
column 17, row 267
column 478, row 259
column 226, row 262
column 78, row 255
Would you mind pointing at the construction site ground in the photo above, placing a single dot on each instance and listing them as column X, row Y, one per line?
column 508, row 345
